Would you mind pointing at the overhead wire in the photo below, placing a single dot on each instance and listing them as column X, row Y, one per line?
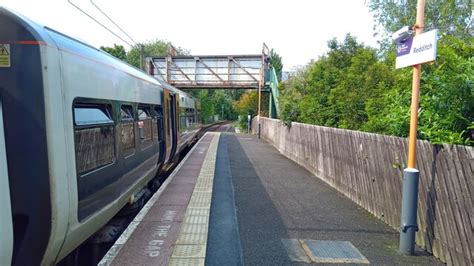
column 98, row 22
column 111, row 20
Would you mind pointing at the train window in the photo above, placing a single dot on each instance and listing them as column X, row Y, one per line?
column 94, row 139
column 154, row 127
column 159, row 124
column 127, row 130
column 182, row 123
column 91, row 115
column 193, row 120
column 182, row 119
column 126, row 113
column 143, row 113
column 145, row 126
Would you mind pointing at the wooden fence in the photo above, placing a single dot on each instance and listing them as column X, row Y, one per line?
column 368, row 169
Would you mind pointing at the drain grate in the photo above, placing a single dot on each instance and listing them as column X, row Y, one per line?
column 323, row 251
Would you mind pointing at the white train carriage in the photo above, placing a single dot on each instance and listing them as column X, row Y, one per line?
column 83, row 133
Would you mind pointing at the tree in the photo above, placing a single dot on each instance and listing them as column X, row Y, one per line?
column 451, row 17
column 352, row 87
column 213, row 101
column 342, row 85
column 291, row 92
column 118, row 51
column 246, row 105
column 446, row 97
column 275, row 61
column 446, row 93
column 152, row 48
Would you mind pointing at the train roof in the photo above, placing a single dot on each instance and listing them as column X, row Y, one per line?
column 46, row 36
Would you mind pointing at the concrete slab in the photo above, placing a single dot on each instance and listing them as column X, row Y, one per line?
column 170, row 213
column 150, row 232
column 184, row 180
column 188, row 171
column 173, row 198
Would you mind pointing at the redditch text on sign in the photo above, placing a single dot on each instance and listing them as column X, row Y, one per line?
column 417, row 50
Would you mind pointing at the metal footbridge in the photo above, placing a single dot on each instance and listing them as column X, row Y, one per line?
column 218, row 72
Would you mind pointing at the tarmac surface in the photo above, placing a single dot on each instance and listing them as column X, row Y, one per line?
column 235, row 200
column 261, row 198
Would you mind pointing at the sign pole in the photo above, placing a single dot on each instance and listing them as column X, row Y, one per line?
column 408, row 224
column 415, row 91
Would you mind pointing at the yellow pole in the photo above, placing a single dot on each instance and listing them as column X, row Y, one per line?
column 415, row 93
column 411, row 175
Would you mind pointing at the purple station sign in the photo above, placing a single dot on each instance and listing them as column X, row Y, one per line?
column 417, row 50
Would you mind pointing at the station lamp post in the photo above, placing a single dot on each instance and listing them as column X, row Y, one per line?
column 260, row 86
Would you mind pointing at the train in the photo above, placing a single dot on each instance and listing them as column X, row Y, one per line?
column 82, row 134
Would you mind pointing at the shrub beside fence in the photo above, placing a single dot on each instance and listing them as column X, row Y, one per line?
column 368, row 168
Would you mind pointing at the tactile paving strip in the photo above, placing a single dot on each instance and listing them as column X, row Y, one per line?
column 194, row 228
column 197, row 211
column 191, row 239
column 204, row 186
column 184, row 251
column 190, row 248
column 196, row 219
column 200, row 196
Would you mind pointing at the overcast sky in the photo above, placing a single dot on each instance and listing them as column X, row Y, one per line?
column 297, row 29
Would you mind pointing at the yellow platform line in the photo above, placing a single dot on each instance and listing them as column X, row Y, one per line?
column 190, row 247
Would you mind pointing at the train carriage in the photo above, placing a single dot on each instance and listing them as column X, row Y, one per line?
column 83, row 133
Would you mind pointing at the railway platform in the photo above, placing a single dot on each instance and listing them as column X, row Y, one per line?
column 235, row 200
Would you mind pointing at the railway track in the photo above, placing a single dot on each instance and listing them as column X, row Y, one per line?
column 222, row 127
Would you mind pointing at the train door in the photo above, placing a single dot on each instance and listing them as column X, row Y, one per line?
column 159, row 125
column 173, row 123
column 166, row 112
column 6, row 227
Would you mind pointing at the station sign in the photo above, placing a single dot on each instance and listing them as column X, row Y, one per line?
column 417, row 50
